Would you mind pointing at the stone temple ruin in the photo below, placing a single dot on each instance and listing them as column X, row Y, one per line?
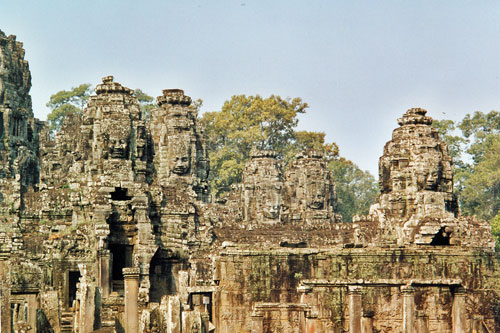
column 108, row 227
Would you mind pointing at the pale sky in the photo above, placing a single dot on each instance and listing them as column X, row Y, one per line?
column 358, row 64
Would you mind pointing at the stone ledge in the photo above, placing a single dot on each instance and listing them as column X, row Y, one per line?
column 131, row 272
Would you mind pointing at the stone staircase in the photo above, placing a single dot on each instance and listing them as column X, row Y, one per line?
column 67, row 320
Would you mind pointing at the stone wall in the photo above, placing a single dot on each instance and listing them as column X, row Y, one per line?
column 108, row 226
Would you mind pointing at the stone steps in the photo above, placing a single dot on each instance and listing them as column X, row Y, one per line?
column 67, row 320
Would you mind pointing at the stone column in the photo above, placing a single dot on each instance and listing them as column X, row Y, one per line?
column 257, row 322
column 458, row 310
column 307, row 297
column 408, row 294
column 476, row 326
column 205, row 322
column 367, row 322
column 311, row 322
column 104, row 271
column 422, row 323
column 4, row 310
column 355, row 309
column 172, row 307
column 131, row 276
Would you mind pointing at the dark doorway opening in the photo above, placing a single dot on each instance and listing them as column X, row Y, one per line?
column 162, row 271
column 73, row 279
column 441, row 238
column 120, row 194
column 121, row 257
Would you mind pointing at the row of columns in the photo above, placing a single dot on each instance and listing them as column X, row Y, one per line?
column 357, row 322
column 411, row 324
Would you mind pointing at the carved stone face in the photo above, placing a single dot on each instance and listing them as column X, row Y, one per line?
column 316, row 195
column 432, row 180
column 180, row 163
column 271, row 212
column 315, row 188
column 118, row 148
column 271, row 195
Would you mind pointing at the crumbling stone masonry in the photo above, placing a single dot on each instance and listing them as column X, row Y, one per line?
column 108, row 226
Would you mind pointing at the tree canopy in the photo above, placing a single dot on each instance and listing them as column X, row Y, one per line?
column 475, row 146
column 245, row 122
column 146, row 103
column 66, row 102
column 356, row 189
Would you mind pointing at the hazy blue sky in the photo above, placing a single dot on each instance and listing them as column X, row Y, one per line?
column 358, row 64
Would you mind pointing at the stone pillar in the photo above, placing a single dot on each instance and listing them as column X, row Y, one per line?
column 476, row 326
column 355, row 309
column 458, row 310
column 257, row 322
column 104, row 271
column 408, row 294
column 4, row 299
column 367, row 322
column 131, row 276
column 172, row 307
column 205, row 320
column 422, row 323
column 311, row 322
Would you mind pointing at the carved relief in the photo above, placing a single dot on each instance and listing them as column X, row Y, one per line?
column 309, row 193
column 262, row 188
column 180, row 158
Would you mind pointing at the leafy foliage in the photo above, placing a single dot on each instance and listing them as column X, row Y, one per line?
column 495, row 230
column 146, row 103
column 450, row 133
column 66, row 102
column 446, row 129
column 481, row 193
column 476, row 154
column 477, row 128
column 245, row 122
column 313, row 140
column 356, row 189
column 270, row 123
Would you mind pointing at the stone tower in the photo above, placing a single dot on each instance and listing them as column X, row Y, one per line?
column 115, row 235
column 19, row 130
column 262, row 184
column 180, row 152
column 417, row 204
column 416, row 167
column 308, row 191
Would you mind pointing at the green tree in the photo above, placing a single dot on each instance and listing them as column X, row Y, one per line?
column 495, row 230
column 476, row 152
column 457, row 143
column 313, row 140
column 448, row 132
column 356, row 189
column 146, row 103
column 245, row 122
column 481, row 193
column 270, row 123
column 66, row 102
column 477, row 128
